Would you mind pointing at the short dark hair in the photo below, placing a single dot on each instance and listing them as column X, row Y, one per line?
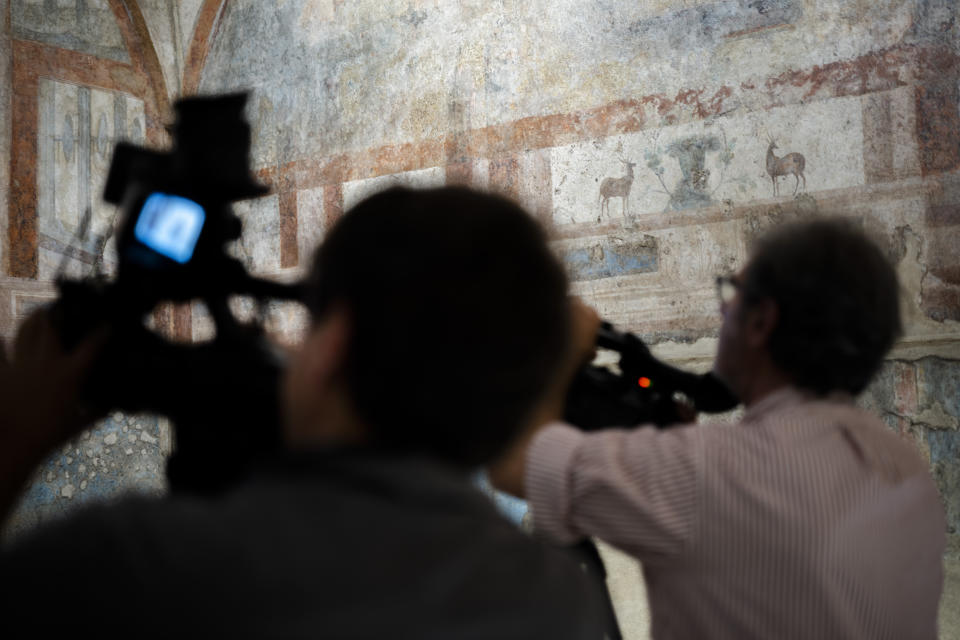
column 458, row 313
column 838, row 302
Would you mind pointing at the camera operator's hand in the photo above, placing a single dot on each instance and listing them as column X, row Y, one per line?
column 39, row 398
column 506, row 474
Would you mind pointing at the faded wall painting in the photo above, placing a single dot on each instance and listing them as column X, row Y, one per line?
column 711, row 162
column 792, row 163
column 616, row 188
column 79, row 127
column 87, row 26
column 656, row 141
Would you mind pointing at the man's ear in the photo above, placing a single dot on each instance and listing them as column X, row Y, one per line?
column 327, row 347
column 762, row 319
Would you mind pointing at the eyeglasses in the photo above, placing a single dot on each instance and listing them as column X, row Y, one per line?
column 727, row 287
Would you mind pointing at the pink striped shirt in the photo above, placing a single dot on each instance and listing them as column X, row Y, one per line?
column 809, row 519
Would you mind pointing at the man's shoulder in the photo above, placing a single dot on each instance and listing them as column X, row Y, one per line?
column 833, row 424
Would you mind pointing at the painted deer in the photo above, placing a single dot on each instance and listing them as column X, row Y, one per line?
column 616, row 188
column 792, row 163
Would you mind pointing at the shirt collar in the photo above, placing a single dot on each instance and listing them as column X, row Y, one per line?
column 788, row 397
column 776, row 402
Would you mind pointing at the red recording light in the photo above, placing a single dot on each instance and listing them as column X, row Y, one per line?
column 645, row 382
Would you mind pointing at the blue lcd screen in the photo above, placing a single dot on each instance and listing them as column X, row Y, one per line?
column 170, row 225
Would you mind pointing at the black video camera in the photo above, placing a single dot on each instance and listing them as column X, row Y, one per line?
column 645, row 391
column 176, row 223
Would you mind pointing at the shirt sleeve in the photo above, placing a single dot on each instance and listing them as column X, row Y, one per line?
column 637, row 489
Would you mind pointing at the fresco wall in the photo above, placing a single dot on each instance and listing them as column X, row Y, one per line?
column 656, row 140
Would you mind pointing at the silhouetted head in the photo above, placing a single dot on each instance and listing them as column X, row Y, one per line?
column 457, row 312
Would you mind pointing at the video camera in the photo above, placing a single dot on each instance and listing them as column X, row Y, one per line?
column 176, row 223
column 645, row 391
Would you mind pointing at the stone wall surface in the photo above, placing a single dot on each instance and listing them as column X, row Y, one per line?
column 642, row 134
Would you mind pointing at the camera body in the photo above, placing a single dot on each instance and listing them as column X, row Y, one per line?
column 645, row 391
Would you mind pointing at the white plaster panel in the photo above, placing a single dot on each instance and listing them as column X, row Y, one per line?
column 828, row 134
column 103, row 133
column 533, row 166
column 79, row 128
column 357, row 190
column 259, row 246
column 202, row 326
column 51, row 264
column 57, row 173
column 693, row 255
column 133, row 119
